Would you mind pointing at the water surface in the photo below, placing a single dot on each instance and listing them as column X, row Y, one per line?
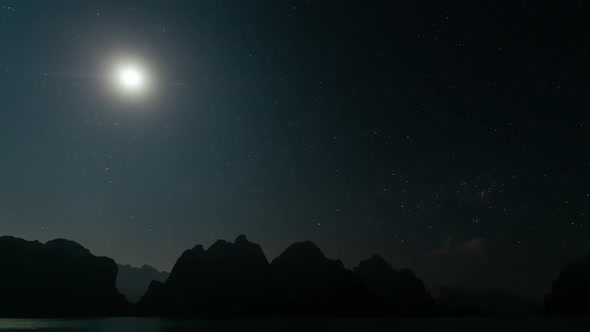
column 131, row 324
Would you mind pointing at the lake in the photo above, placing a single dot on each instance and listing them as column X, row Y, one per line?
column 130, row 324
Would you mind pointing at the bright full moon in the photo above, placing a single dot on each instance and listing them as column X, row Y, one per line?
column 131, row 78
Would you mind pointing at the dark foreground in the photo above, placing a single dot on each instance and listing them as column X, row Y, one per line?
column 394, row 324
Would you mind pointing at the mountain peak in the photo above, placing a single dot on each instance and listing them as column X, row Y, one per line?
column 36, row 280
column 306, row 255
column 375, row 264
column 305, row 247
column 378, row 260
column 67, row 246
column 219, row 245
column 241, row 239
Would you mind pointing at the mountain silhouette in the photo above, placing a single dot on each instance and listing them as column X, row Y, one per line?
column 226, row 279
column 62, row 278
column 311, row 284
column 133, row 282
column 58, row 278
column 395, row 292
column 483, row 302
column 236, row 279
column 570, row 292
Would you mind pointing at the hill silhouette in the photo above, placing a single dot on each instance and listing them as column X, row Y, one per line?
column 62, row 278
column 58, row 278
column 237, row 279
column 570, row 292
column 228, row 279
column 394, row 291
column 133, row 282
column 311, row 284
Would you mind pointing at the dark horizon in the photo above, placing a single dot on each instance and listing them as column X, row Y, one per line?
column 448, row 137
column 533, row 302
column 61, row 278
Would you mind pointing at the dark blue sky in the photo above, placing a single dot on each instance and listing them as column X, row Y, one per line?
column 449, row 138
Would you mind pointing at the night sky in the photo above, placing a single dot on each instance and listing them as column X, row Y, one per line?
column 451, row 138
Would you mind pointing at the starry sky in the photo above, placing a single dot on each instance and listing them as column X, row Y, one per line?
column 448, row 137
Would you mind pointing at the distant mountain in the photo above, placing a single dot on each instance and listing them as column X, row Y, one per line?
column 483, row 302
column 396, row 292
column 58, row 278
column 570, row 293
column 133, row 282
column 236, row 279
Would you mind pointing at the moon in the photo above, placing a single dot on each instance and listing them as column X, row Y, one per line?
column 131, row 78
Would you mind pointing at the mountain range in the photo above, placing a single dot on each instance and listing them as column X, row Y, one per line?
column 62, row 278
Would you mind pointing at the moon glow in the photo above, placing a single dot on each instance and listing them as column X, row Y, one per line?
column 131, row 78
